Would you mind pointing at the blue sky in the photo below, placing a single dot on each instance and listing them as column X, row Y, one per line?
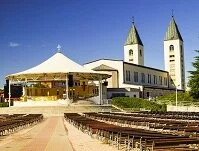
column 30, row 30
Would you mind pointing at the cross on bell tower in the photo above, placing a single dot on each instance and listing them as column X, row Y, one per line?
column 58, row 48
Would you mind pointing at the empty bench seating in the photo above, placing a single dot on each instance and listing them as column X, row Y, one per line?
column 11, row 123
column 188, row 127
column 126, row 137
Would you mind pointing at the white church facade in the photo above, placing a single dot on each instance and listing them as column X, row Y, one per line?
column 130, row 77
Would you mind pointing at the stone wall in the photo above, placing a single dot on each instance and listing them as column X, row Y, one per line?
column 153, row 92
column 183, row 108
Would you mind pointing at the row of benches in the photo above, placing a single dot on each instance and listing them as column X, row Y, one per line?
column 11, row 123
column 185, row 126
column 167, row 115
column 128, row 138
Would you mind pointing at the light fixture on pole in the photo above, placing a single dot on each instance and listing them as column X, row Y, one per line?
column 177, row 96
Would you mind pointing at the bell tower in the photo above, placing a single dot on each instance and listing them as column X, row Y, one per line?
column 174, row 55
column 133, row 47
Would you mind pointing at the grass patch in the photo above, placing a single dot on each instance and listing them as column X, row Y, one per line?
column 184, row 99
column 137, row 104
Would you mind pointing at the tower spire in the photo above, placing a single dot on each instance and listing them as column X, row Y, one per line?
column 173, row 32
column 133, row 36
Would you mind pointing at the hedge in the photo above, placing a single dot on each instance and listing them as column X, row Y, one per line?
column 4, row 104
column 126, row 102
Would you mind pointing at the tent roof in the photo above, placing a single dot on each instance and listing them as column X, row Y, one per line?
column 55, row 66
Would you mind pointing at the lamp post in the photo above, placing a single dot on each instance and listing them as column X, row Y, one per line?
column 73, row 94
column 177, row 97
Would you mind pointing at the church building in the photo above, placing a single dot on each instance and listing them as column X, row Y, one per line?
column 130, row 76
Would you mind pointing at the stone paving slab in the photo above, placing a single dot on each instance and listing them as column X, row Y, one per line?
column 84, row 142
column 49, row 135
column 59, row 141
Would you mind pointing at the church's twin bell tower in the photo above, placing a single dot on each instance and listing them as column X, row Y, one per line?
column 133, row 48
column 173, row 53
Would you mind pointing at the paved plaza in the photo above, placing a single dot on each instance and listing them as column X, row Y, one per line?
column 53, row 133
column 49, row 135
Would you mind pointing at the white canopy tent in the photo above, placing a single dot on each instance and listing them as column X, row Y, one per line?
column 56, row 68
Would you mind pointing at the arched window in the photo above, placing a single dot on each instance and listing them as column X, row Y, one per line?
column 131, row 52
column 140, row 52
column 171, row 48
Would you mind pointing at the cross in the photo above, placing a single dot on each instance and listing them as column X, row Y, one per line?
column 59, row 48
column 172, row 12
column 133, row 19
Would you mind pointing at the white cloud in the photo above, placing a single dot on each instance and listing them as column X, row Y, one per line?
column 14, row 44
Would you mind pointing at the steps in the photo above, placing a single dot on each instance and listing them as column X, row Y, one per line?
column 55, row 110
column 113, row 109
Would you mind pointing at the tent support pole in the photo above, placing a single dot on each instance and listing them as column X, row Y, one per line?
column 9, row 92
column 100, row 91
column 66, row 86
column 25, row 90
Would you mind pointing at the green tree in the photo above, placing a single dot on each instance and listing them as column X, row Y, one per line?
column 194, row 78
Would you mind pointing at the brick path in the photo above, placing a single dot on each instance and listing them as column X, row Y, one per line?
column 50, row 135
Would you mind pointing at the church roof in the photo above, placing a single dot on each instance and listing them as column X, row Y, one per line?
column 173, row 31
column 133, row 37
column 103, row 67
